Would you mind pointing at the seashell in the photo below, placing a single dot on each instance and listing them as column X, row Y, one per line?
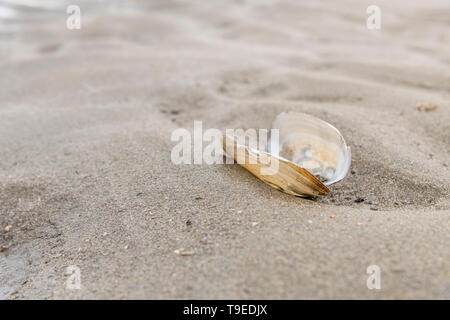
column 309, row 155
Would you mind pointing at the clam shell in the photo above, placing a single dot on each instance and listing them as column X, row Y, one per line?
column 309, row 150
column 289, row 177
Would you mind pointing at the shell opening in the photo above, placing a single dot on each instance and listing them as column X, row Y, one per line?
column 312, row 144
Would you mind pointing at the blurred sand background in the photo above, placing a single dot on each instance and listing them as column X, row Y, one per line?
column 86, row 177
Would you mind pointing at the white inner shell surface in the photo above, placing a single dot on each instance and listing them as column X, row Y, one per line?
column 312, row 144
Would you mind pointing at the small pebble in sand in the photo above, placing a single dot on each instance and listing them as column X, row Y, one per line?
column 359, row 200
column 374, row 209
column 213, row 205
column 427, row 106
column 182, row 252
column 87, row 240
column 8, row 228
column 254, row 224
column 105, row 234
column 332, row 216
column 309, row 221
column 239, row 211
column 2, row 248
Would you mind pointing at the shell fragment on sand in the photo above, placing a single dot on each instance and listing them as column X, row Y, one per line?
column 310, row 155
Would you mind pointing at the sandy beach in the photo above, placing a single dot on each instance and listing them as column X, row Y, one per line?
column 86, row 177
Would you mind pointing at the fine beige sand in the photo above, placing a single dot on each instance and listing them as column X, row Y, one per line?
column 86, row 177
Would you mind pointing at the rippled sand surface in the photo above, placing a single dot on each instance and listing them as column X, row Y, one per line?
column 86, row 177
